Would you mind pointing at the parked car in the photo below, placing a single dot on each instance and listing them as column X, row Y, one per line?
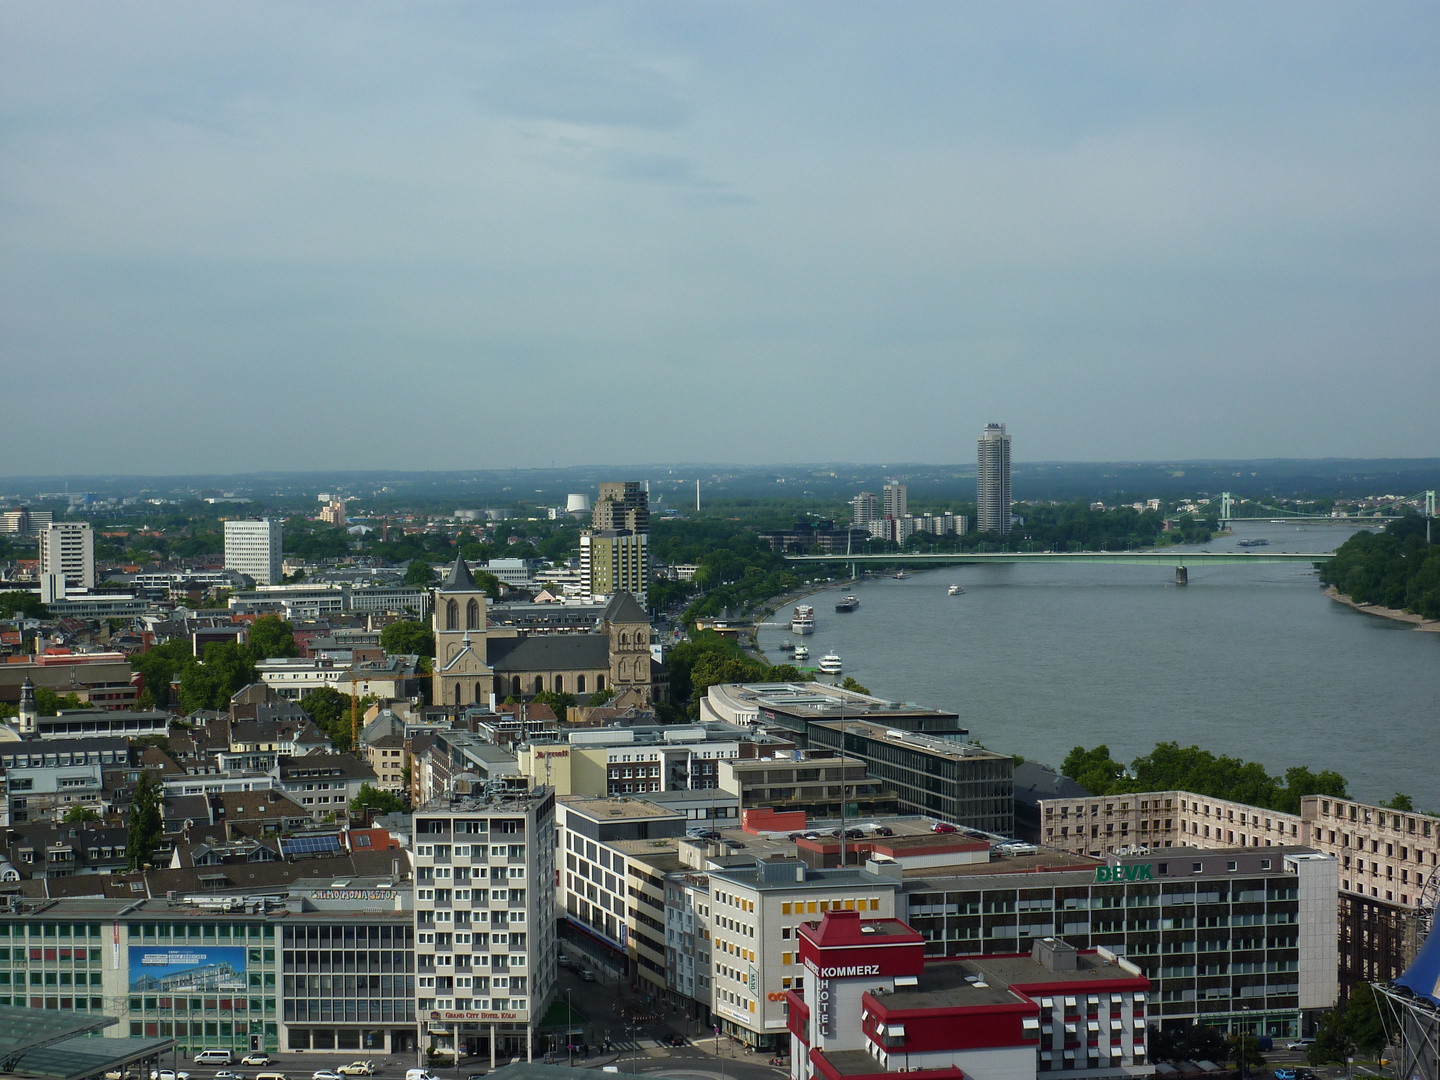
column 563, row 960
column 884, row 830
column 1304, row 1074
column 855, row 834
column 168, row 1074
column 943, row 827
column 256, row 1057
column 587, row 975
column 1285, row 1074
column 357, row 1068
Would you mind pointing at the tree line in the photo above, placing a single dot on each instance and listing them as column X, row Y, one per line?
column 1395, row 568
column 1171, row 767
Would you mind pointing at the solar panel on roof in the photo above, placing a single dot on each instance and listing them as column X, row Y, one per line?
column 309, row 845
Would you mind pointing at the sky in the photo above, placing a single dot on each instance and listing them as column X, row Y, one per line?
column 254, row 236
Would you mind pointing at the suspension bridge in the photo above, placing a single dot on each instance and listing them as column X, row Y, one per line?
column 1232, row 509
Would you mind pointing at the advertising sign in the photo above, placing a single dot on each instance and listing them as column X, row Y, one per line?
column 180, row 969
column 1137, row 872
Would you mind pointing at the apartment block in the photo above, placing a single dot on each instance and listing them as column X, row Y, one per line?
column 485, row 920
column 255, row 549
column 67, row 551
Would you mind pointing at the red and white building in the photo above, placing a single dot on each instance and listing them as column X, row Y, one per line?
column 871, row 1005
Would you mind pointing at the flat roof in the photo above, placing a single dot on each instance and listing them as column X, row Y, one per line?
column 819, row 700
column 949, row 984
column 602, row 808
column 918, row 741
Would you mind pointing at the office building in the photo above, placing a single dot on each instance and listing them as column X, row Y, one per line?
column 876, row 1006
column 867, row 509
column 897, row 503
column 485, row 919
column 756, row 915
column 67, row 549
column 322, row 965
column 622, row 505
column 255, row 549
column 613, row 561
column 795, row 708
column 1385, row 857
column 640, row 759
column 1238, row 938
column 334, row 513
column 992, row 481
column 958, row 782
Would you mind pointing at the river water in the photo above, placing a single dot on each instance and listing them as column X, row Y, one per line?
column 1251, row 661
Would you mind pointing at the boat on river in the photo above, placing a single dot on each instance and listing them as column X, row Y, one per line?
column 850, row 603
column 956, row 590
column 803, row 621
column 830, row 664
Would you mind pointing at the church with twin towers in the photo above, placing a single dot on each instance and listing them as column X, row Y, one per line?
column 474, row 660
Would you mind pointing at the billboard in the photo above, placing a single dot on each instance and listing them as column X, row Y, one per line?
column 178, row 969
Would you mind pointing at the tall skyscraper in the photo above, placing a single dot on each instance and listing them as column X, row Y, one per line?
column 896, row 500
column 622, row 505
column 992, row 481
column 68, row 548
column 867, row 509
column 614, row 560
column 616, row 556
column 256, row 549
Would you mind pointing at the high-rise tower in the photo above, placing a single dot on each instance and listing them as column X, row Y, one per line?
column 992, row 481
column 897, row 500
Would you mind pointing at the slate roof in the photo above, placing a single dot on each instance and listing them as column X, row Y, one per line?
column 549, row 652
column 623, row 608
column 459, row 579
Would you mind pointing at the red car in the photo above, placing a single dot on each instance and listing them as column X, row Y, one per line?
column 943, row 826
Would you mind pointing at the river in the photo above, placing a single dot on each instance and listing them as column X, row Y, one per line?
column 1250, row 661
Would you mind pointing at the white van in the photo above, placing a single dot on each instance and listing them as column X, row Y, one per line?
column 214, row 1057
column 410, row 1074
column 271, row 1076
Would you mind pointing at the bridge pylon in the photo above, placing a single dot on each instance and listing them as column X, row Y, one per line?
column 1226, row 509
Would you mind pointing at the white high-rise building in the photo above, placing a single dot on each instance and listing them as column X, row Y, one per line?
column 485, row 935
column 68, row 548
column 897, row 503
column 992, row 483
column 867, row 509
column 256, row 549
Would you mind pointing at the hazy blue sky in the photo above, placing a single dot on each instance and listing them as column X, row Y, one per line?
column 243, row 236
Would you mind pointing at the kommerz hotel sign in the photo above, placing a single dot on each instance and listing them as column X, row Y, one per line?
column 1138, row 872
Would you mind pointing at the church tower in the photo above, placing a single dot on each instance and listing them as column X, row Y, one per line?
column 29, row 711
column 462, row 676
column 627, row 627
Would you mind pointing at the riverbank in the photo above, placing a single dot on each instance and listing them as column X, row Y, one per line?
column 794, row 597
column 1417, row 621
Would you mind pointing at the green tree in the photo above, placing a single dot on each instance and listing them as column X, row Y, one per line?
column 270, row 637
column 159, row 666
column 372, row 798
column 24, row 604
column 558, row 700
column 49, row 703
column 851, row 684
column 330, row 710
column 1354, row 1028
column 1094, row 770
column 420, row 574
column 601, row 697
column 78, row 814
column 210, row 685
column 1399, row 801
column 143, row 835
column 408, row 637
